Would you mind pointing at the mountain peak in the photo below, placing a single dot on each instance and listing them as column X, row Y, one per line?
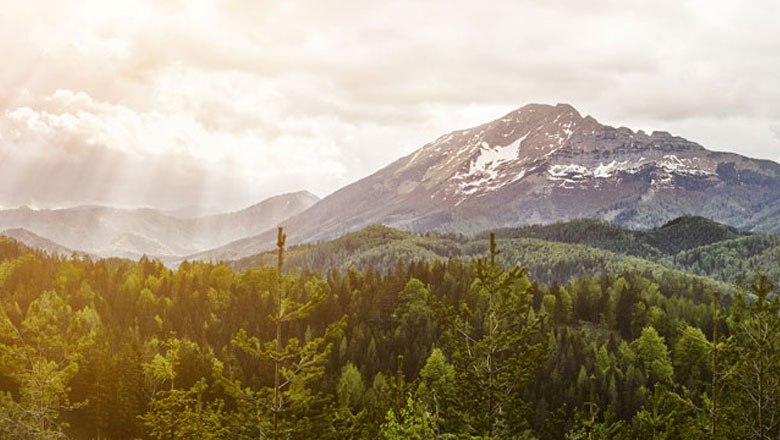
column 539, row 150
column 549, row 142
column 546, row 108
column 541, row 114
column 541, row 164
column 559, row 108
column 305, row 194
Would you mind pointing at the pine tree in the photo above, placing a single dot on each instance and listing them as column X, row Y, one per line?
column 495, row 347
column 177, row 410
column 183, row 414
column 715, row 384
column 413, row 422
column 350, row 413
column 653, row 356
column 42, row 354
column 285, row 409
column 415, row 328
column 437, row 390
column 755, row 377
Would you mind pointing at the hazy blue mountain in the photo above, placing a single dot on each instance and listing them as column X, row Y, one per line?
column 115, row 232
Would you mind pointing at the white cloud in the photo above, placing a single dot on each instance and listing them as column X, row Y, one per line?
column 228, row 102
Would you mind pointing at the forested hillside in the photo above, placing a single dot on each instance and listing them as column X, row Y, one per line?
column 557, row 252
column 427, row 347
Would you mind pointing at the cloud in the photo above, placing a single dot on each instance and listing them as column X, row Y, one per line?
column 228, row 102
column 96, row 152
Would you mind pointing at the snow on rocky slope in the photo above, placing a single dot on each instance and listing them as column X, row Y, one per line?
column 541, row 164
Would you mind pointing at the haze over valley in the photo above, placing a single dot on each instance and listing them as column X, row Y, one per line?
column 539, row 164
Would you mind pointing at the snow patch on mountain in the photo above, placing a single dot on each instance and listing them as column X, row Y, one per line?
column 674, row 165
column 490, row 159
column 487, row 171
column 605, row 171
column 490, row 169
column 572, row 170
column 670, row 165
column 573, row 173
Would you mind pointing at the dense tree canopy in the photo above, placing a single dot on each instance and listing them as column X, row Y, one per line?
column 444, row 348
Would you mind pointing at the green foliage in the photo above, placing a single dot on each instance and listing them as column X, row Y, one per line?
column 587, row 343
column 495, row 348
column 415, row 323
column 413, row 422
column 183, row 414
column 438, row 391
column 278, row 411
column 350, row 389
column 755, row 367
column 40, row 355
column 592, row 233
column 690, row 232
column 554, row 253
column 668, row 416
column 691, row 359
column 653, row 356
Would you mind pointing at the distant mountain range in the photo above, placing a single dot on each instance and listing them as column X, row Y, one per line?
column 697, row 249
column 131, row 233
column 538, row 165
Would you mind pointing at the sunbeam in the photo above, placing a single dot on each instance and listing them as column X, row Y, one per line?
column 239, row 88
column 410, row 219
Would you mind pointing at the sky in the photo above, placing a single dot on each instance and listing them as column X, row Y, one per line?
column 221, row 104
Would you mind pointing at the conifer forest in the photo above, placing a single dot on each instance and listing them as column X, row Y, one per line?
column 444, row 348
column 389, row 220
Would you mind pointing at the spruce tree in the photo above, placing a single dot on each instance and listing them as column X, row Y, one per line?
column 290, row 407
column 755, row 375
column 495, row 345
column 41, row 355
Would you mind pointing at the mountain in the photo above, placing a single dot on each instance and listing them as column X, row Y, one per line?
column 192, row 211
column 537, row 165
column 552, row 253
column 680, row 234
column 114, row 232
column 37, row 242
column 257, row 218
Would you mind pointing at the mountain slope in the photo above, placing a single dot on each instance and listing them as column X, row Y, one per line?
column 542, row 164
column 37, row 242
column 109, row 232
column 681, row 234
column 556, row 252
column 690, row 232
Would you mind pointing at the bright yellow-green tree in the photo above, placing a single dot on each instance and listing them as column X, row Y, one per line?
column 41, row 355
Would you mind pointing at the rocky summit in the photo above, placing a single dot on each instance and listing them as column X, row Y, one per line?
column 542, row 164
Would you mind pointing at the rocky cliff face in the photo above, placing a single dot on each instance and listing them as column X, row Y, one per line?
column 544, row 163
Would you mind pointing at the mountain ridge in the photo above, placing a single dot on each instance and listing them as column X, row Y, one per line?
column 553, row 253
column 541, row 164
column 35, row 241
column 132, row 232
